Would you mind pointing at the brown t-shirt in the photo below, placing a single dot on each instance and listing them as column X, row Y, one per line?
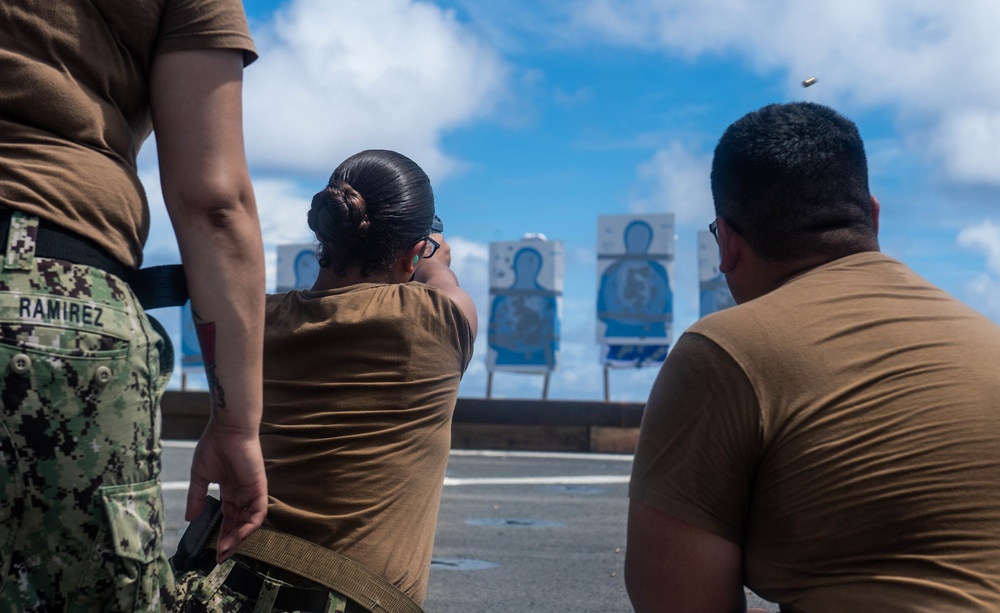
column 843, row 429
column 74, row 105
column 360, row 385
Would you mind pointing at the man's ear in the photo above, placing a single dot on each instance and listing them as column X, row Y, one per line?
column 731, row 246
column 876, row 209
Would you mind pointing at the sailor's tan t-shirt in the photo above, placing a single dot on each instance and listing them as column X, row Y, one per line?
column 844, row 430
column 74, row 105
column 360, row 385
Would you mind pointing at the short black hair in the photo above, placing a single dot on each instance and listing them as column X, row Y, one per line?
column 793, row 180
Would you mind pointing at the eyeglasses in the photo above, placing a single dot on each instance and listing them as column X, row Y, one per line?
column 714, row 228
column 430, row 246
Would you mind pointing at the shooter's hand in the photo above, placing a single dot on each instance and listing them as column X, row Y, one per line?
column 436, row 272
column 234, row 461
column 443, row 254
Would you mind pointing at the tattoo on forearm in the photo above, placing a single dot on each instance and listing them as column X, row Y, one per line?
column 206, row 338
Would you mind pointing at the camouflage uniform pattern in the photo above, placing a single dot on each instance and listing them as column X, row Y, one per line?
column 201, row 592
column 81, row 373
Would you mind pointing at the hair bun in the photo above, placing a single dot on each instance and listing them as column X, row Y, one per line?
column 338, row 210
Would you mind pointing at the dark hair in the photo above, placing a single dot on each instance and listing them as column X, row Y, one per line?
column 793, row 180
column 376, row 204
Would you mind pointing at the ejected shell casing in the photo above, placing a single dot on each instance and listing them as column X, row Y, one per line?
column 809, row 81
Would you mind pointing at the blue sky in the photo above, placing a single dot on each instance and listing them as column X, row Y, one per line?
column 538, row 116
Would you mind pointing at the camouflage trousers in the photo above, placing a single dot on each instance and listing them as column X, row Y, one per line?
column 81, row 373
column 209, row 591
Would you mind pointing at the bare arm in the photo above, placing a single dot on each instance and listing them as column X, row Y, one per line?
column 436, row 272
column 196, row 99
column 673, row 566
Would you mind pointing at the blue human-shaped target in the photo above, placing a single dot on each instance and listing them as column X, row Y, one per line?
column 635, row 299
column 306, row 269
column 524, row 324
column 714, row 296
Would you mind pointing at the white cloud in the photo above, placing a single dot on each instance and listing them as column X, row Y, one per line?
column 470, row 262
column 335, row 78
column 984, row 292
column 984, row 289
column 674, row 180
column 161, row 246
column 931, row 61
column 969, row 142
column 984, row 237
column 281, row 205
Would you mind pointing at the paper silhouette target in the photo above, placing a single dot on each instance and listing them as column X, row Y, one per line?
column 713, row 292
column 635, row 255
column 297, row 267
column 526, row 281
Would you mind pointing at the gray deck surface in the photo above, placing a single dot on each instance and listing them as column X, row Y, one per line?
column 517, row 532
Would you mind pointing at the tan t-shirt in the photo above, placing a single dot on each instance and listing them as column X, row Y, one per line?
column 74, row 105
column 844, row 429
column 360, row 385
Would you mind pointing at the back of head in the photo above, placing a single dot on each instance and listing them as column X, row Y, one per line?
column 376, row 204
column 792, row 179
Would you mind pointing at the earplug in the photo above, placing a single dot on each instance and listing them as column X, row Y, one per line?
column 416, row 259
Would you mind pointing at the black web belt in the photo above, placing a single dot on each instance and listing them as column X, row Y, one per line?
column 155, row 287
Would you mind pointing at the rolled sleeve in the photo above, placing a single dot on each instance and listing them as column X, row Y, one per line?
column 188, row 25
column 700, row 440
